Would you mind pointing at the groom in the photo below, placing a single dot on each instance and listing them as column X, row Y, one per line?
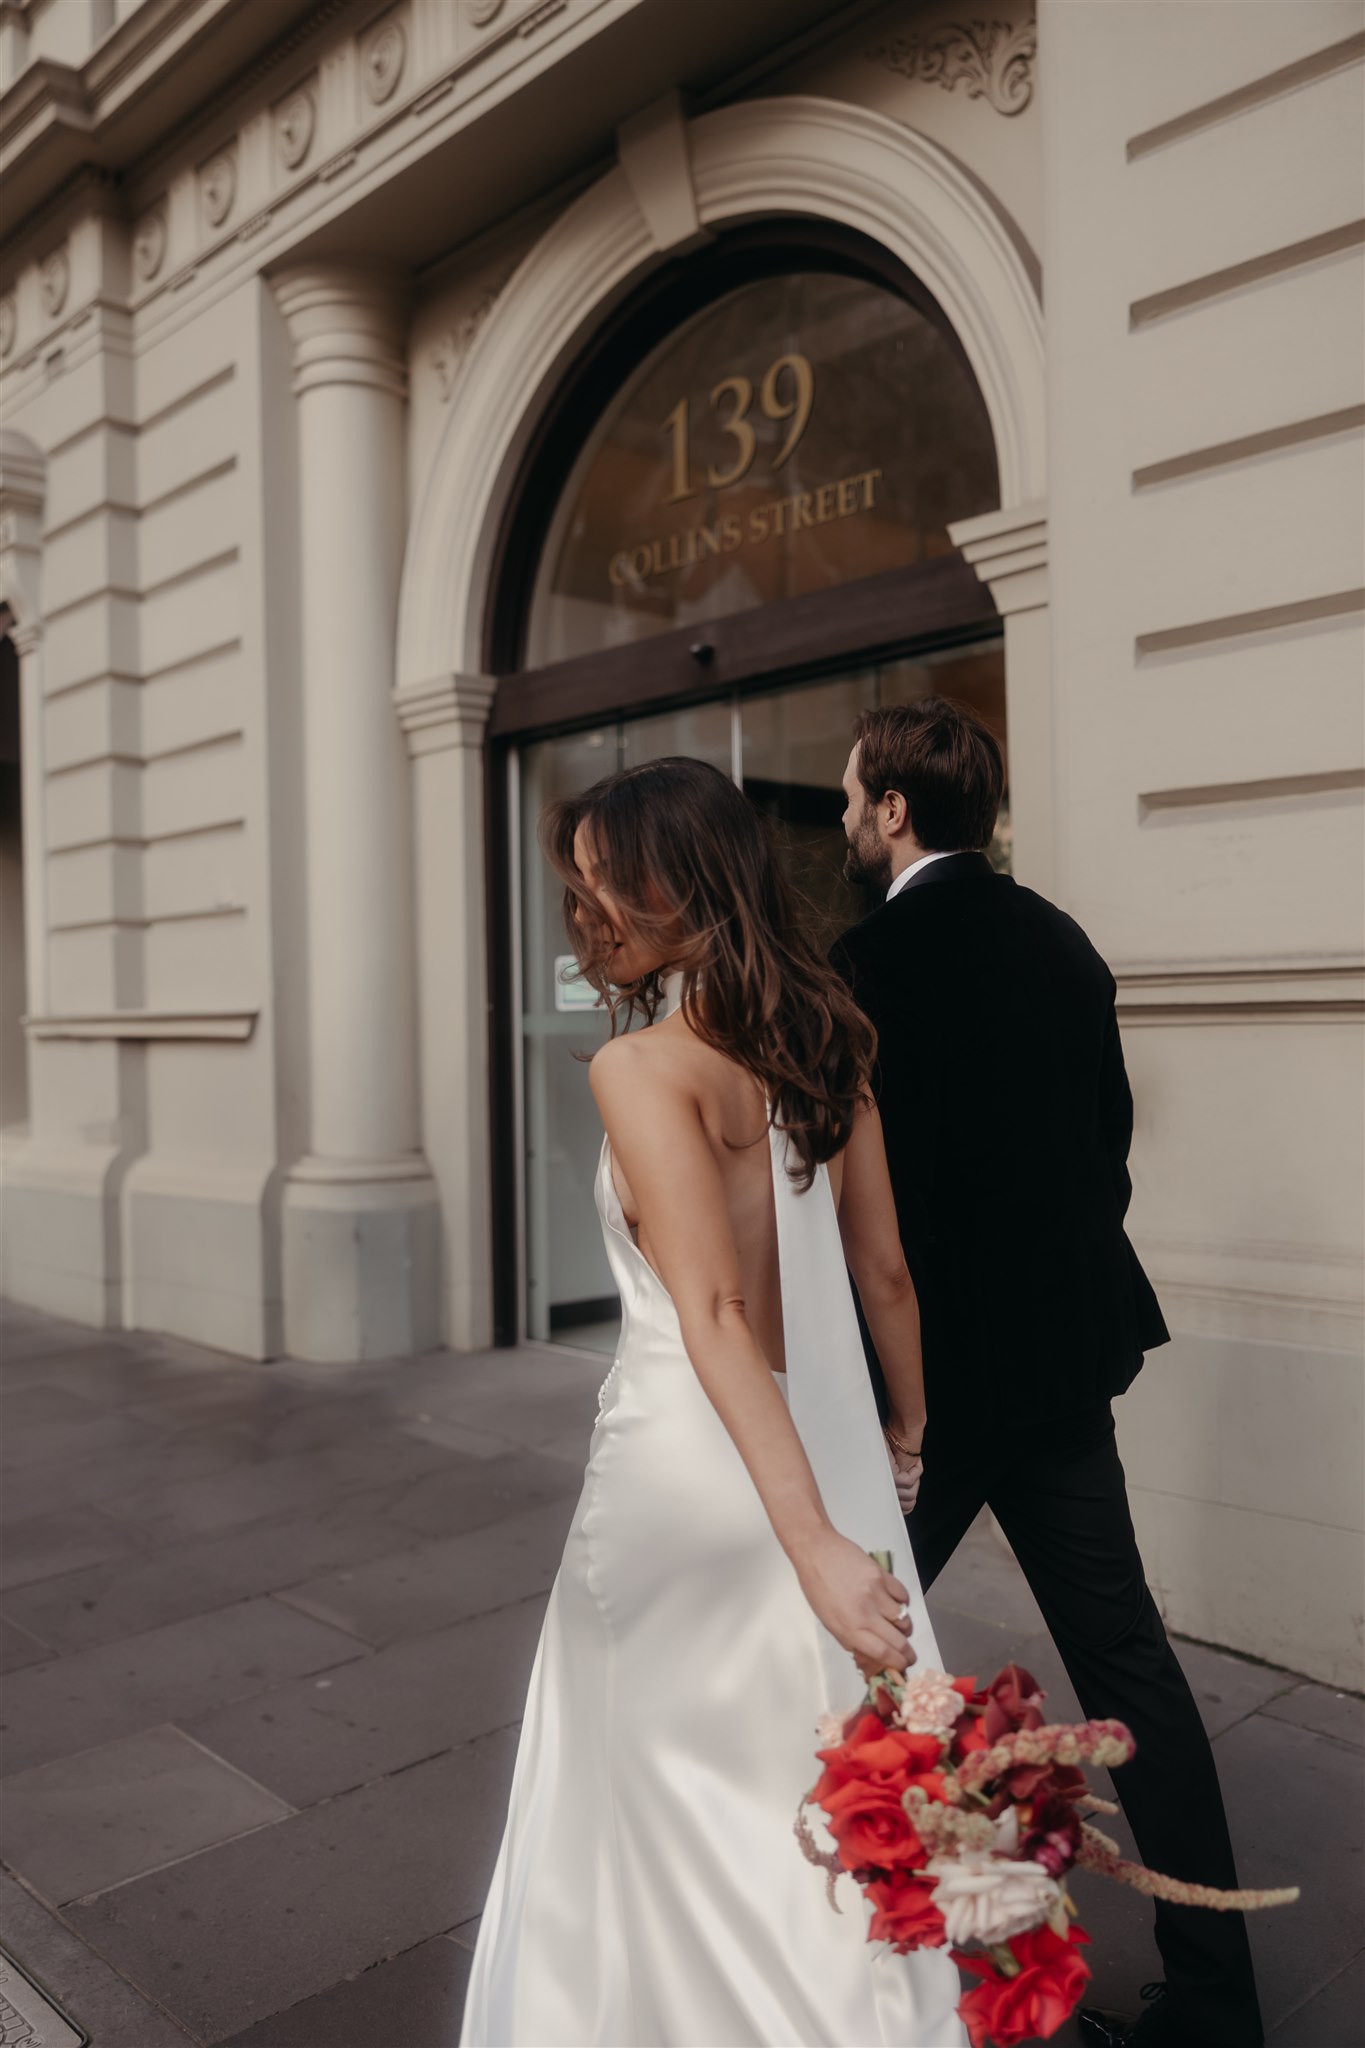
column 1008, row 1119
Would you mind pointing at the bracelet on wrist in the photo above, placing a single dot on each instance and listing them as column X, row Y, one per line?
column 898, row 1444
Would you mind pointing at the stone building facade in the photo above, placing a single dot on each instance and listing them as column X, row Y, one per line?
column 336, row 531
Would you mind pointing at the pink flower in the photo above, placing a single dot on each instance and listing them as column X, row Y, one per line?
column 930, row 1703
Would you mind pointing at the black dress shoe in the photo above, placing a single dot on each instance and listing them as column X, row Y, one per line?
column 1157, row 2027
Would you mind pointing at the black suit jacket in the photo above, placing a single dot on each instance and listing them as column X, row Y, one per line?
column 1008, row 1118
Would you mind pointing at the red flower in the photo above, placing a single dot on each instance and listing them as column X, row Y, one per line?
column 1052, row 1836
column 969, row 1735
column 1032, row 2005
column 878, row 1755
column 1013, row 1701
column 872, row 1829
column 905, row 1913
column 1037, row 1782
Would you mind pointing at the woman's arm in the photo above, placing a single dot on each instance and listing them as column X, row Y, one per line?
column 654, row 1125
column 872, row 1247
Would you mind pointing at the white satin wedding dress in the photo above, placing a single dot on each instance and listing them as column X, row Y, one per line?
column 649, row 1892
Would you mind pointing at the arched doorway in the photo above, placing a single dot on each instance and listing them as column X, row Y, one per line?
column 730, row 535
column 795, row 167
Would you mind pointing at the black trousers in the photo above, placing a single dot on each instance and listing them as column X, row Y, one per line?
column 1060, row 1497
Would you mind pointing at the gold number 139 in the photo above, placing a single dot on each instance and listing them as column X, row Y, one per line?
column 793, row 404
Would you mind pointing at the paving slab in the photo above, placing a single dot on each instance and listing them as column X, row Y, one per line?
column 1294, row 1801
column 104, row 1602
column 93, row 1696
column 30, row 1444
column 45, row 1546
column 92, row 1480
column 444, row 1582
column 450, row 1501
column 90, row 1821
column 39, row 1400
column 242, row 1932
column 416, row 2000
column 19, row 1649
column 252, row 1490
column 312, row 1739
column 1338, row 1714
column 1332, row 2018
column 113, row 2012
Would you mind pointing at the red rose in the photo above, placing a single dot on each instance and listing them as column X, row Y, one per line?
column 905, row 1913
column 1052, row 1836
column 1032, row 2005
column 872, row 1828
column 1013, row 1701
column 878, row 1755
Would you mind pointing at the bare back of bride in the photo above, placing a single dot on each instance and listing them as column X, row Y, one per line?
column 716, row 1587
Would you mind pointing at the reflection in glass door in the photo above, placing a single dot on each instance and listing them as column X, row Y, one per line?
column 788, row 749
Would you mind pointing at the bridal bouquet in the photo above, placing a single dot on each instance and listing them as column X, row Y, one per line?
column 960, row 1814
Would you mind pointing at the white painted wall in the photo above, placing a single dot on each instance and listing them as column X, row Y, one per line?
column 1210, row 786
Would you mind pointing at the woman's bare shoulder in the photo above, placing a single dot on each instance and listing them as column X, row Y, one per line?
column 667, row 1058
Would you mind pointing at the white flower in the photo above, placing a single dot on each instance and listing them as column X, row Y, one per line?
column 989, row 1898
column 829, row 1730
column 929, row 1704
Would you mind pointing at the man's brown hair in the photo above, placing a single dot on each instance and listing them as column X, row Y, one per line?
column 945, row 762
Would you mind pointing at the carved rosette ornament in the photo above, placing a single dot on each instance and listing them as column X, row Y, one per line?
column 54, row 281
column 992, row 59
column 295, row 120
column 218, row 187
column 9, row 323
column 382, row 61
column 149, row 244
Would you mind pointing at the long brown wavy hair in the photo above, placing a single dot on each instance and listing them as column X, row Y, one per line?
column 691, row 863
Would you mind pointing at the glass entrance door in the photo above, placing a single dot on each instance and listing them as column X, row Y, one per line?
column 787, row 748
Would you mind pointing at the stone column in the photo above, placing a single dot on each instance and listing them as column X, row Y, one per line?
column 444, row 721
column 1008, row 550
column 361, row 1231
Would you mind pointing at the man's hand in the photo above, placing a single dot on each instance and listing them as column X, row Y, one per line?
column 907, row 1472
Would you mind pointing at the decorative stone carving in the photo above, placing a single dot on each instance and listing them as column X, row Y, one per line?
column 9, row 323
column 993, row 59
column 295, row 121
column 54, row 281
column 382, row 60
column 447, row 357
column 481, row 12
column 218, row 186
column 149, row 244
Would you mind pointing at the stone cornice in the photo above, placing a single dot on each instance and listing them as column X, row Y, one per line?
column 1008, row 550
column 446, row 711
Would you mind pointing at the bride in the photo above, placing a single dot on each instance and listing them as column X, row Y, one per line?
column 716, row 1587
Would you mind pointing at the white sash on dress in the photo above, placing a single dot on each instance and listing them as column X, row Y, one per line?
column 832, row 1403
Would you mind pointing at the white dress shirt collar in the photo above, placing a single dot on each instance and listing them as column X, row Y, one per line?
column 913, row 869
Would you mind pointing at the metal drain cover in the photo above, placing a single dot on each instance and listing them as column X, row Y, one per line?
column 28, row 2018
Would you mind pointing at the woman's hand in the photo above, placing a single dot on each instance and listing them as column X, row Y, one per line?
column 865, row 1609
column 907, row 1469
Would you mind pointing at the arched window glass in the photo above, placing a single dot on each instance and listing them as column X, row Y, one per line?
column 804, row 430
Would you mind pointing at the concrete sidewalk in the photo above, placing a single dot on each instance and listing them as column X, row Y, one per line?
column 268, row 1629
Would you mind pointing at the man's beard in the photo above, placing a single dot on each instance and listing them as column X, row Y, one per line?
column 868, row 860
